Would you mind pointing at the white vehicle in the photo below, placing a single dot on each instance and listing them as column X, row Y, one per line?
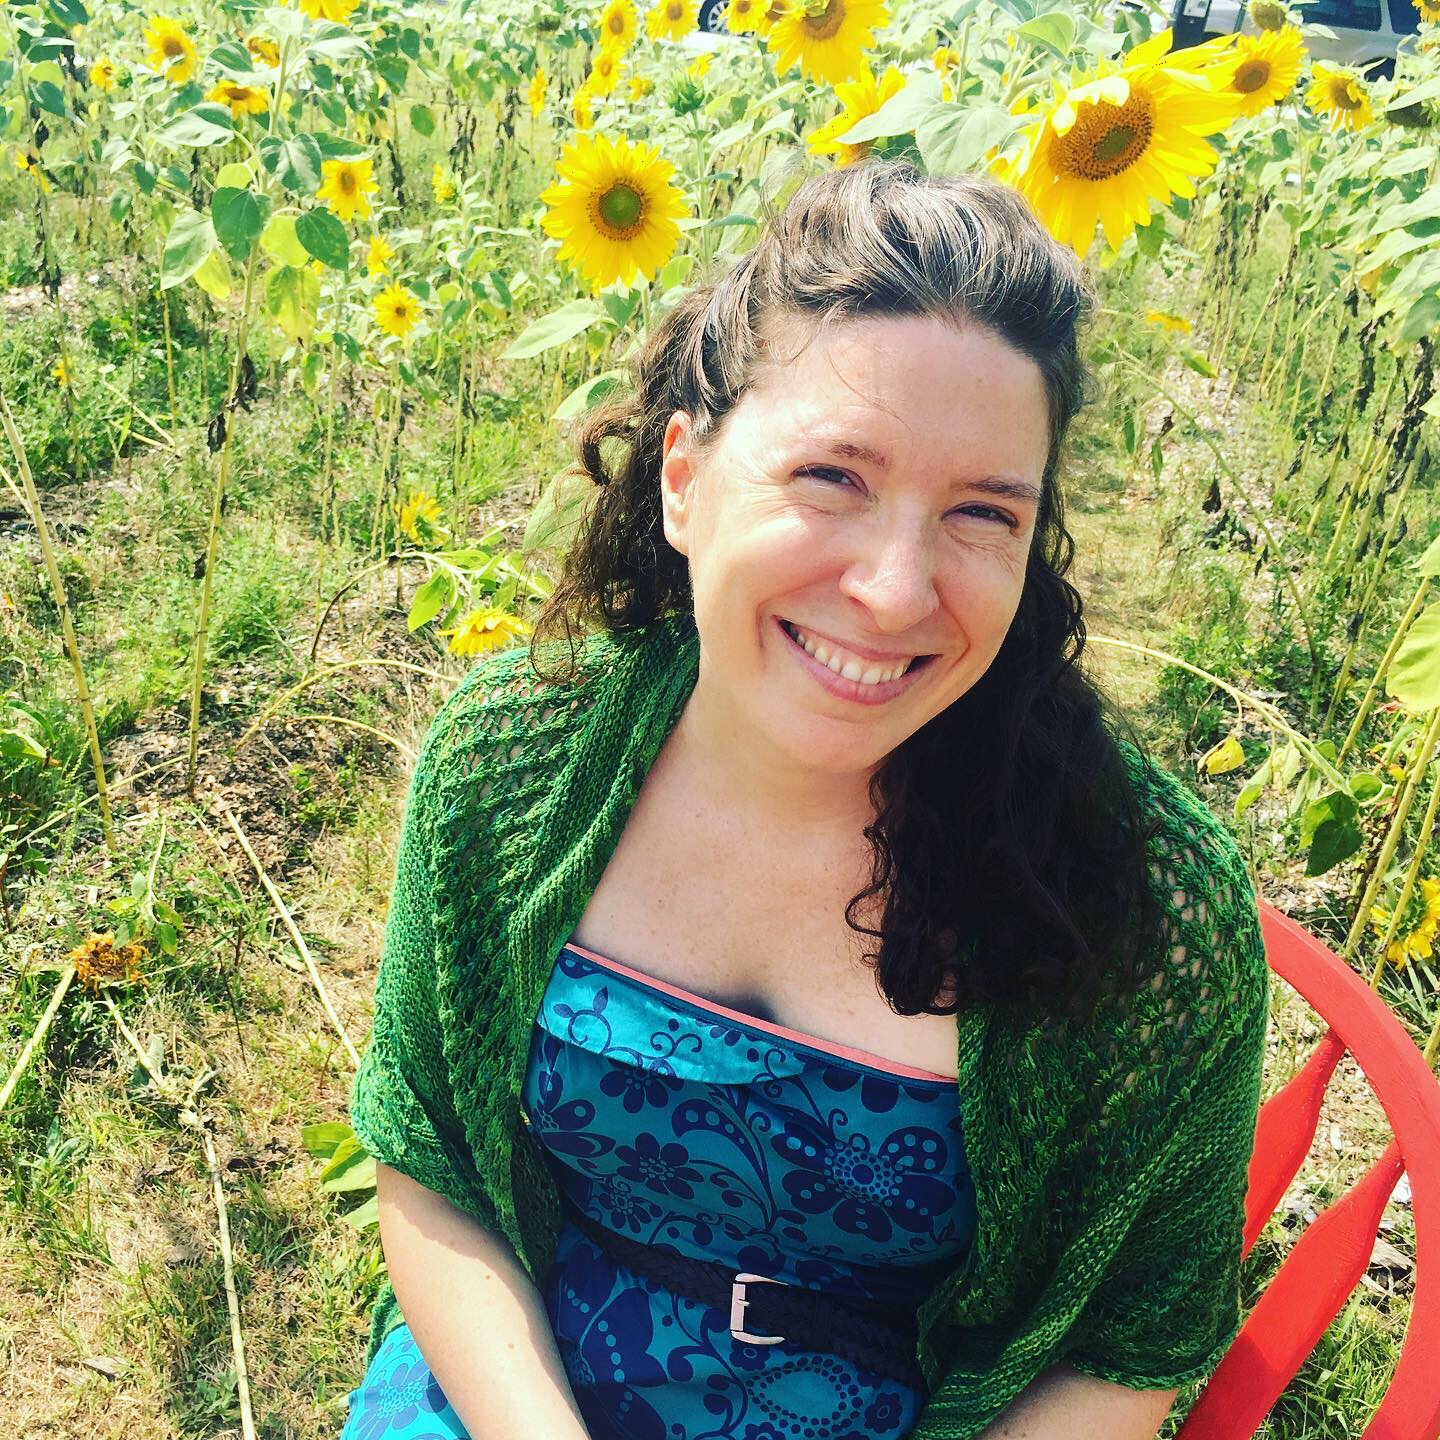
column 1368, row 33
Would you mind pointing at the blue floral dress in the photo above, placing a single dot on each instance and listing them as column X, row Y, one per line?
column 680, row 1121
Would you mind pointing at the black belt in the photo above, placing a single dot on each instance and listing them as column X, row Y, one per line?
column 872, row 1336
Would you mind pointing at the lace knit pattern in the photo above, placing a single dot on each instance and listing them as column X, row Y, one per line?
column 1109, row 1160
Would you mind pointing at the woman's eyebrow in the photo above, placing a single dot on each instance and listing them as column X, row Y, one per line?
column 1002, row 485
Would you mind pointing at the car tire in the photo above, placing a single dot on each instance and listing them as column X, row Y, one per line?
column 712, row 17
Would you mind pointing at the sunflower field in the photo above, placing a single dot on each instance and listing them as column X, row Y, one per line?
column 300, row 304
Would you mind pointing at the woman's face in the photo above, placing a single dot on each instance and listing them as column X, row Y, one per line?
column 871, row 501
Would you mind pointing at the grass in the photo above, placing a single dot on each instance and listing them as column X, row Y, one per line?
column 107, row 1225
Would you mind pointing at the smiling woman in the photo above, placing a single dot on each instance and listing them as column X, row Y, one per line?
column 667, row 1146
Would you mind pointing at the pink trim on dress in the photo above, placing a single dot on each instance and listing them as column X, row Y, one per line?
column 831, row 1047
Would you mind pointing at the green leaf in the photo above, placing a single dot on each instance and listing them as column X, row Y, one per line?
column 1336, row 807
column 1157, row 458
column 900, row 114
column 291, row 299
column 49, row 97
column 237, row 175
column 295, row 163
column 1423, row 319
column 239, row 219
column 437, row 594
column 187, row 246
column 556, row 328
column 589, row 394
column 1054, row 31
column 213, row 277
column 233, row 60
column 952, row 139
column 1429, row 562
column 1197, row 362
column 279, row 241
column 1334, row 841
column 1366, row 785
column 333, row 147
column 363, row 1216
column 322, row 234
column 206, row 124
column 558, row 513
column 321, row 1140
column 422, row 120
column 68, row 12
column 335, row 42
column 1414, row 675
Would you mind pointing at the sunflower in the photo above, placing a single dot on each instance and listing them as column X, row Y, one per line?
column 699, row 65
column 483, row 630
column 420, row 519
column 769, row 13
column 1340, row 95
column 860, row 98
column 98, row 962
column 242, row 99
column 945, row 60
column 581, row 109
column 535, row 93
column 616, row 211
column 396, row 310
column 671, row 20
column 1176, row 323
column 1269, row 66
column 378, row 255
column 172, row 51
column 267, row 52
column 619, row 25
column 604, row 72
column 442, row 184
column 1269, row 14
column 742, row 16
column 102, row 74
column 339, row 11
column 1429, row 9
column 640, row 86
column 28, row 161
column 1104, row 149
column 60, row 373
column 1417, row 943
column 828, row 38
column 346, row 184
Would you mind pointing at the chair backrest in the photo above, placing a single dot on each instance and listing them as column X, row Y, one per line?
column 1326, row 1263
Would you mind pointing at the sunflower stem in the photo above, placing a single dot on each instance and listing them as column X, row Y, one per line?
column 1381, row 670
column 1412, row 874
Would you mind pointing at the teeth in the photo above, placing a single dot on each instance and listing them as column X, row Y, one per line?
column 848, row 666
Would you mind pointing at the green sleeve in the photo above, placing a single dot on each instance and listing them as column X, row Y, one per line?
column 1167, row 1305
column 402, row 1106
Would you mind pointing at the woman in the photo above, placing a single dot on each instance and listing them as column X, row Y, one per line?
column 803, row 919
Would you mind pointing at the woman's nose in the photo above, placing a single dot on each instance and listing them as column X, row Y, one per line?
column 893, row 576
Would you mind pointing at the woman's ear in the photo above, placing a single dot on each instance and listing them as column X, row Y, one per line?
column 677, row 475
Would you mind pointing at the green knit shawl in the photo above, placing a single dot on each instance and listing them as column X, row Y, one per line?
column 1109, row 1160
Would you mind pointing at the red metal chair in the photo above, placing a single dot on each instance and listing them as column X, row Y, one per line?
column 1327, row 1262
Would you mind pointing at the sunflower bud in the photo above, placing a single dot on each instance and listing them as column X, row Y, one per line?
column 1268, row 14
column 686, row 96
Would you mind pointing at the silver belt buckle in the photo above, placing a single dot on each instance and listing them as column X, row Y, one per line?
column 738, row 1302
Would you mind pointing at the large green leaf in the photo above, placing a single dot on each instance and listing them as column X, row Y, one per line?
column 191, row 239
column 1054, row 30
column 239, row 218
column 324, row 237
column 900, row 114
column 434, row 596
column 206, row 124
column 553, row 329
column 1429, row 562
column 295, row 162
column 1414, row 675
column 279, row 241
column 952, row 139
column 291, row 299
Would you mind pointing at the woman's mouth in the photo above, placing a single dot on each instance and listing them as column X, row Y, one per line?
column 850, row 676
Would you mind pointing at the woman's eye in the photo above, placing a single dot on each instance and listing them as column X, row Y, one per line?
column 992, row 513
column 825, row 470
column 828, row 473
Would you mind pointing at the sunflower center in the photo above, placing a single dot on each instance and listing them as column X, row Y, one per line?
column 346, row 181
column 616, row 24
column 1105, row 139
column 1251, row 76
column 1343, row 95
column 172, row 47
column 675, row 10
column 621, row 207
column 825, row 22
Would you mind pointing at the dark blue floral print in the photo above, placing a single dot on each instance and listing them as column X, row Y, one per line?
column 673, row 1121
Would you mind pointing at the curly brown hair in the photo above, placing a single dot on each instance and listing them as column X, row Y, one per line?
column 1008, row 842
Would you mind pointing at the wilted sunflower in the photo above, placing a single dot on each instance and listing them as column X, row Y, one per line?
column 1268, row 14
column 98, row 962
column 396, row 310
column 1422, row 914
column 487, row 629
column 1269, row 66
column 860, row 98
column 346, row 186
column 1340, row 95
column 604, row 72
column 827, row 38
column 535, row 92
column 172, row 51
column 420, row 519
column 267, row 52
column 442, row 184
column 1429, row 9
column 615, row 212
column 671, row 19
column 1102, row 150
column 102, row 74
column 339, row 11
column 242, row 99
column 618, row 25
column 743, row 16
column 378, row 255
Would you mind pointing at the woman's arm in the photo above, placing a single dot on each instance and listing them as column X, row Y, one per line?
column 475, row 1315
column 1063, row 1404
